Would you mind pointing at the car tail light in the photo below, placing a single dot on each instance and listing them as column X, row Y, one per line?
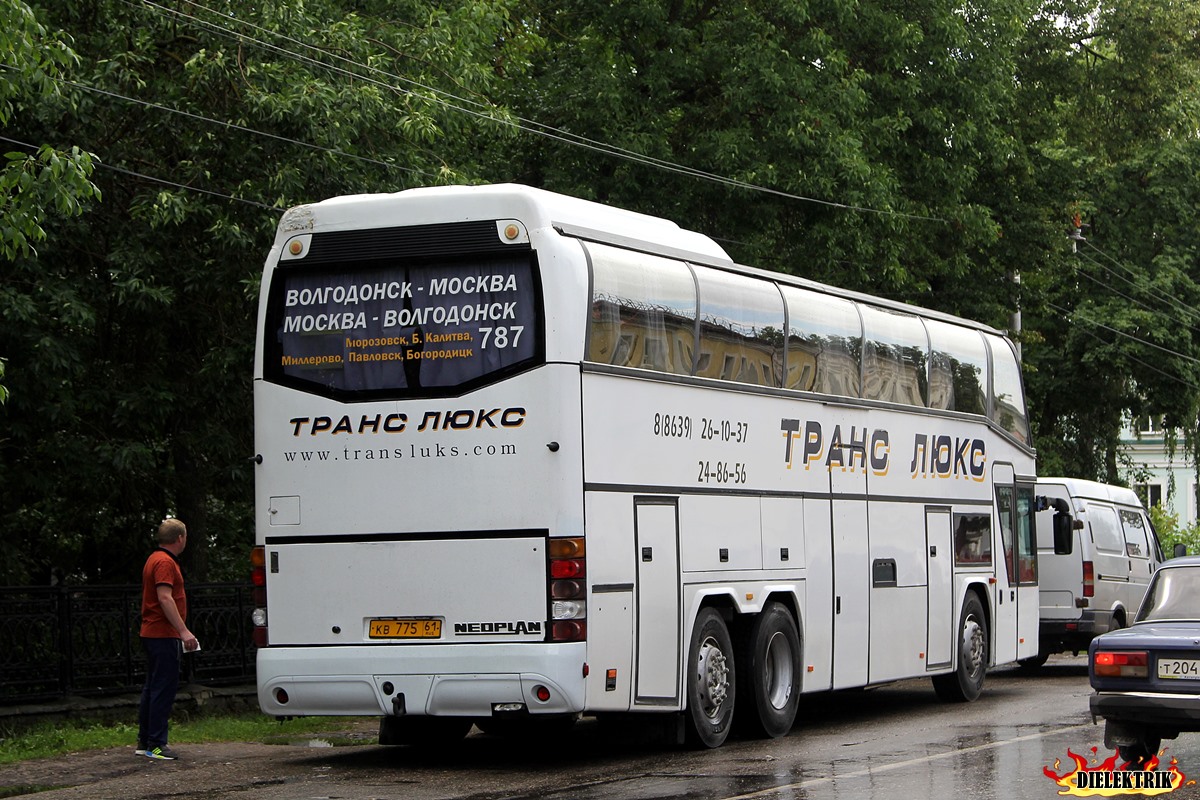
column 258, row 577
column 1089, row 579
column 1121, row 664
column 567, row 568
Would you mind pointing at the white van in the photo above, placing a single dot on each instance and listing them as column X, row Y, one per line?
column 1093, row 573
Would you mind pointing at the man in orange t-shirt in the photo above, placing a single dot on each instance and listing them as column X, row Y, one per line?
column 164, row 637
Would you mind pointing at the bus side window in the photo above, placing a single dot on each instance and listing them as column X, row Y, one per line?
column 1008, row 398
column 640, row 303
column 824, row 340
column 895, row 354
column 957, row 368
column 741, row 324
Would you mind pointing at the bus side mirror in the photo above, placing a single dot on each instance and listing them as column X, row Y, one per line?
column 1180, row 549
column 1063, row 527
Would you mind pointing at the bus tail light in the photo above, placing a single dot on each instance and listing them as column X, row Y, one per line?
column 258, row 577
column 567, row 569
column 1116, row 664
column 1089, row 579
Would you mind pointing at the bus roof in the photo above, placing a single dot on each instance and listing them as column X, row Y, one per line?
column 572, row 216
column 536, row 208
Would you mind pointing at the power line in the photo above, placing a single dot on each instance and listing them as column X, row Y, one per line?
column 235, row 126
column 1133, row 300
column 1174, row 302
column 103, row 165
column 1148, row 366
column 1069, row 314
column 528, row 126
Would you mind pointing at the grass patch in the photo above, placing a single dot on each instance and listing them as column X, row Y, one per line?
column 51, row 739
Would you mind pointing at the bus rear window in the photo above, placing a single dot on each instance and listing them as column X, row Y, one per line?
column 403, row 330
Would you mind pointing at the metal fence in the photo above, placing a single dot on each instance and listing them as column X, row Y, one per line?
column 83, row 640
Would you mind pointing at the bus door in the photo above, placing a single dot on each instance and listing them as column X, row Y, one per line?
column 851, row 579
column 941, row 625
column 659, row 634
column 1026, row 568
column 1016, row 569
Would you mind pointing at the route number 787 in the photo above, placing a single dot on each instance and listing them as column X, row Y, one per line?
column 501, row 337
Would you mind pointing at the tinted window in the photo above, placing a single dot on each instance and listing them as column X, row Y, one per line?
column 1004, row 508
column 1008, row 399
column 972, row 540
column 1026, row 544
column 643, row 311
column 402, row 329
column 957, row 368
column 741, row 328
column 895, row 349
column 824, row 343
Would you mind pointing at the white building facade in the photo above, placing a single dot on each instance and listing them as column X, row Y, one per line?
column 1159, row 476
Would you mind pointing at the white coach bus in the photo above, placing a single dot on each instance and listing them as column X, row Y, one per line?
column 524, row 457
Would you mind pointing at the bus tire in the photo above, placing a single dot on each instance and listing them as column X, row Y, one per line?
column 966, row 682
column 711, row 681
column 769, row 672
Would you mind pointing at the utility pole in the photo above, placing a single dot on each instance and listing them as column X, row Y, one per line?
column 1014, row 322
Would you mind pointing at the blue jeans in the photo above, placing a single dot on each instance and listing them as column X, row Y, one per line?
column 158, row 695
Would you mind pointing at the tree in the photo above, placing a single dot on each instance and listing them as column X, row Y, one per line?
column 131, row 336
column 50, row 180
column 1114, row 320
column 882, row 114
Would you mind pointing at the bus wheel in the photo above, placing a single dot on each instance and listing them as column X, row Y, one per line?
column 966, row 682
column 423, row 731
column 769, row 672
column 711, row 681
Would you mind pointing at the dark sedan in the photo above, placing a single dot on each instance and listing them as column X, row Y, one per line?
column 1147, row 676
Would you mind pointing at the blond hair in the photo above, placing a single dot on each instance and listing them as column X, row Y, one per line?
column 170, row 529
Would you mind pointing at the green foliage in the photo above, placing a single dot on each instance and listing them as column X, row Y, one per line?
column 32, row 186
column 1116, row 329
column 926, row 152
column 1171, row 532
column 130, row 336
column 863, row 105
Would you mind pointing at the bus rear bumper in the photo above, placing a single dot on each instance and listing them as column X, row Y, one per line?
column 421, row 680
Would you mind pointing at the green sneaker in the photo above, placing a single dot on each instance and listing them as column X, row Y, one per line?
column 163, row 753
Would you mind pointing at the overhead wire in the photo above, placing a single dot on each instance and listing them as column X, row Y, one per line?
column 242, row 128
column 439, row 97
column 1170, row 301
column 154, row 179
column 1069, row 315
column 1135, row 301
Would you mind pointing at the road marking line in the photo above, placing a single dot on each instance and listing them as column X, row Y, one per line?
column 901, row 764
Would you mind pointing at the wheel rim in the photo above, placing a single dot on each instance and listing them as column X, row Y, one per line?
column 974, row 648
column 779, row 671
column 713, row 671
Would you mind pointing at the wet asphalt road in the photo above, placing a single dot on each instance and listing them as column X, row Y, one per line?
column 896, row 741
